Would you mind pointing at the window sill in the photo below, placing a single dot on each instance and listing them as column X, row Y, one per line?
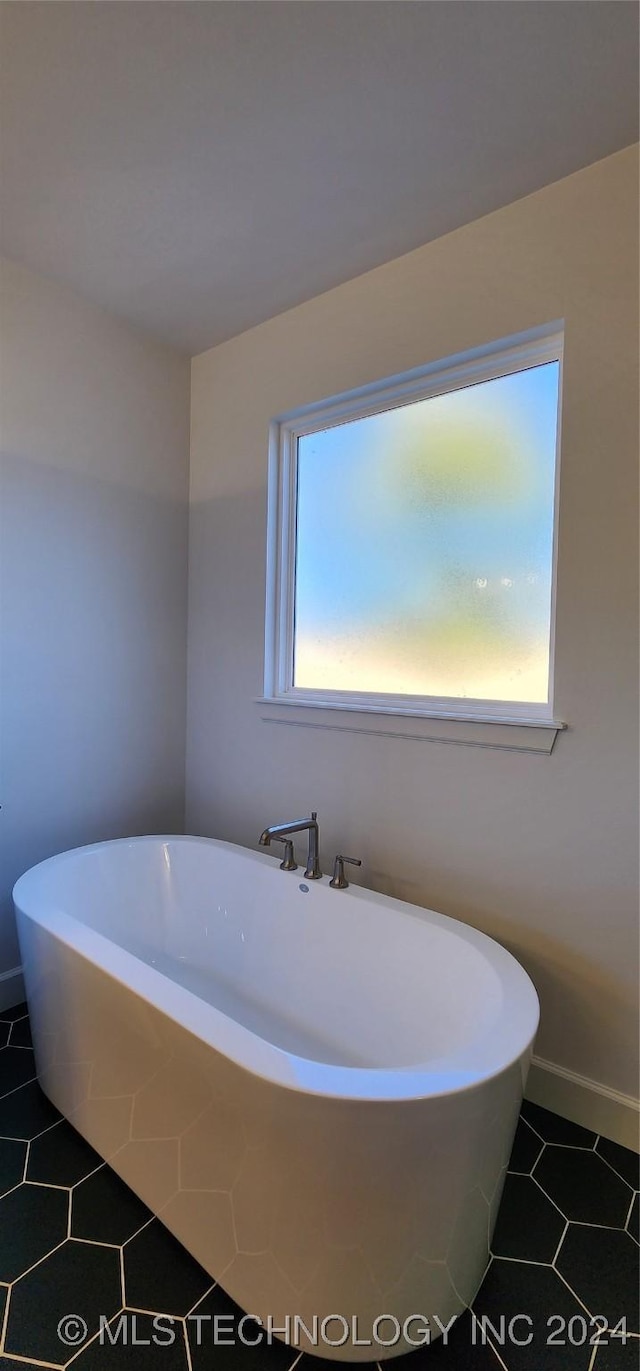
column 515, row 735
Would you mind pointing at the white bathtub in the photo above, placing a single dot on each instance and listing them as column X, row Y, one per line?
column 316, row 1090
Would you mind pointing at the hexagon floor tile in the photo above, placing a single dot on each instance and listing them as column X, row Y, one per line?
column 20, row 1033
column 521, row 1302
column 75, row 1240
column 17, row 1065
column 13, row 1155
column 159, row 1275
column 583, row 1186
column 104, row 1209
column 466, row 1348
column 633, row 1222
column 61, row 1157
column 618, row 1355
column 603, row 1265
column 529, row 1226
column 33, row 1220
column 10, row 1364
column 252, row 1355
column 624, row 1162
column 19, row 1011
column 26, row 1113
column 526, row 1149
column 79, row 1278
column 551, row 1128
column 151, row 1345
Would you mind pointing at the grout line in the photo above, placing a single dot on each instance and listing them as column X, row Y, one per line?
column 635, row 1236
column 38, row 1263
column 12, row 1188
column 200, row 1299
column 151, row 1313
column 89, row 1173
column 94, row 1242
column 598, row 1345
column 89, row 1342
column 564, row 1234
column 484, row 1337
column 533, row 1164
column 44, row 1185
column 520, row 1261
column 607, row 1342
column 9, row 1137
column 573, row 1147
column 502, row 1364
column 548, row 1197
column 616, row 1173
column 138, row 1230
column 9, row 1191
column 187, row 1348
column 95, row 1171
column 49, row 1128
column 592, row 1358
column 584, row 1223
column 511, row 1172
column 18, row 1087
column 573, row 1292
column 484, row 1276
column 122, row 1289
column 5, row 1319
column 534, row 1130
column 31, row 1361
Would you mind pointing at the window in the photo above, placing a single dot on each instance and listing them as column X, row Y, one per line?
column 412, row 536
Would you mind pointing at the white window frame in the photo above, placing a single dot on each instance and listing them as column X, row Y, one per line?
column 482, row 364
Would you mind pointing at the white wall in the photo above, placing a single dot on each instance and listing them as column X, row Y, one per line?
column 93, row 539
column 540, row 851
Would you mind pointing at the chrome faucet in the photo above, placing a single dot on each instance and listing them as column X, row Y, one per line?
column 282, row 831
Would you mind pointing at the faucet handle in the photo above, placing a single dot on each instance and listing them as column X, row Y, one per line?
column 289, row 862
column 339, row 881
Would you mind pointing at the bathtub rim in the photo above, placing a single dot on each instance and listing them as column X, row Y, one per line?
column 518, row 1021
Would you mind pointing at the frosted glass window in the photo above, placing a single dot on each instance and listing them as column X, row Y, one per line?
column 424, row 545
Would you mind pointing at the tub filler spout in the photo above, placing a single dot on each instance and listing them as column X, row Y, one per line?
column 279, row 831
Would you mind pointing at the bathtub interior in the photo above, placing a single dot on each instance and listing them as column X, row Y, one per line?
column 328, row 976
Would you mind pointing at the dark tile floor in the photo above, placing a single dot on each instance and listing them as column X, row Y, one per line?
column 75, row 1240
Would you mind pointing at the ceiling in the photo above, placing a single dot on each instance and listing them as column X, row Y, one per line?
column 196, row 168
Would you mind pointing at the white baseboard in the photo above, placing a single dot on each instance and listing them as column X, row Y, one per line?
column 11, row 988
column 595, row 1106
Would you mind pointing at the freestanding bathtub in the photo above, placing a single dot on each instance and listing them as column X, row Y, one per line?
column 315, row 1090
